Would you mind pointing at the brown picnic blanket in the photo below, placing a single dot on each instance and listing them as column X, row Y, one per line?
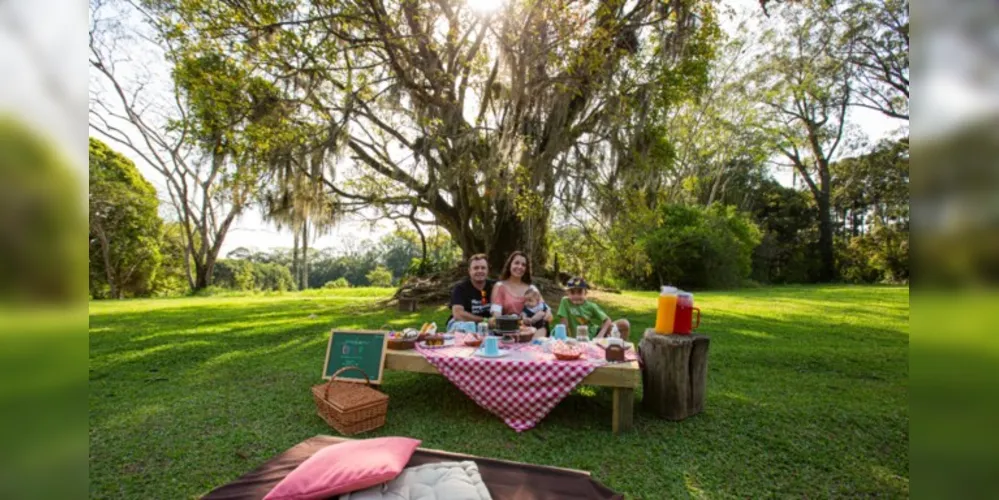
column 505, row 480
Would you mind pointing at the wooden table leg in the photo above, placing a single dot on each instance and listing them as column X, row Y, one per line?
column 624, row 404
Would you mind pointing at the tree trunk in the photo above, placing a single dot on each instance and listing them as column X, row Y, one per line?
column 674, row 374
column 188, row 258
column 509, row 237
column 201, row 276
column 114, row 291
column 537, row 250
column 827, row 252
column 295, row 265
column 510, row 233
column 714, row 187
column 205, row 271
column 304, row 276
column 423, row 249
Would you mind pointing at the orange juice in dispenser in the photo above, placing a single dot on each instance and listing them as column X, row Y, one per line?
column 666, row 311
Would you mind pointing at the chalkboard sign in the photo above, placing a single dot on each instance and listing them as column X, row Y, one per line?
column 364, row 349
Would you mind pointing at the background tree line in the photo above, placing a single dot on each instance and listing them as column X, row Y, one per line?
column 134, row 253
column 757, row 231
column 761, row 231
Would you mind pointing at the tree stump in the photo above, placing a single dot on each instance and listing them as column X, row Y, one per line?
column 674, row 374
column 407, row 305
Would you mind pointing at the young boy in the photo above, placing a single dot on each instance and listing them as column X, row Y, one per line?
column 575, row 310
column 536, row 313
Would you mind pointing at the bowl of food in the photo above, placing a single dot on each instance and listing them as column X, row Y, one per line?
column 561, row 356
column 473, row 340
column 565, row 351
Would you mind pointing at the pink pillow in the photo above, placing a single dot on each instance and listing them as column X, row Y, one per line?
column 346, row 467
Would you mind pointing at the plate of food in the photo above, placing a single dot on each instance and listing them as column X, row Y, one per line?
column 436, row 342
column 430, row 330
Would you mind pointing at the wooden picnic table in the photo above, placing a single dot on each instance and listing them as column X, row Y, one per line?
column 622, row 377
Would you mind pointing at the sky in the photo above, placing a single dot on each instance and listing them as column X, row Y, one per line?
column 44, row 60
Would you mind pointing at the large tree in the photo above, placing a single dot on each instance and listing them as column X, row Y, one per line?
column 207, row 141
column 807, row 89
column 474, row 118
column 124, row 226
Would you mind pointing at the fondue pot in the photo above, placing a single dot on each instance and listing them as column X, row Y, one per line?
column 509, row 323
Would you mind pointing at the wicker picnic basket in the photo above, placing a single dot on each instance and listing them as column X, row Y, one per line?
column 350, row 408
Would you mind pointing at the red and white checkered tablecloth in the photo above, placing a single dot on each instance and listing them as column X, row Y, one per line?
column 521, row 388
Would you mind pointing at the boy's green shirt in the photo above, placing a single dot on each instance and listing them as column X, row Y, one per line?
column 588, row 313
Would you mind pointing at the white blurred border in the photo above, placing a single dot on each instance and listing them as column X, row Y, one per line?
column 955, row 64
column 43, row 80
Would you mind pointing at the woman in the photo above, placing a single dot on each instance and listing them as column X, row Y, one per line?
column 508, row 293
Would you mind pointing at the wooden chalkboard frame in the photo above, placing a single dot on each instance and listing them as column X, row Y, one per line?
column 376, row 378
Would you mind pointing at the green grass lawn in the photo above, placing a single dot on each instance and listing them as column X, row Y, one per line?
column 807, row 396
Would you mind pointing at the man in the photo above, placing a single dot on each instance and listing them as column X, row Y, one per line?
column 470, row 298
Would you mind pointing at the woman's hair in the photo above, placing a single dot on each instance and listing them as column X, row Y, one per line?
column 505, row 275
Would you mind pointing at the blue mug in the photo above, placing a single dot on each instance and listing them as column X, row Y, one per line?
column 559, row 332
column 491, row 346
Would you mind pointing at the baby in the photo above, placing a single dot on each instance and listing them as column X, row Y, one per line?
column 536, row 313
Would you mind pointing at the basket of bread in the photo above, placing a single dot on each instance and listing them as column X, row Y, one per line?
column 565, row 351
column 427, row 330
